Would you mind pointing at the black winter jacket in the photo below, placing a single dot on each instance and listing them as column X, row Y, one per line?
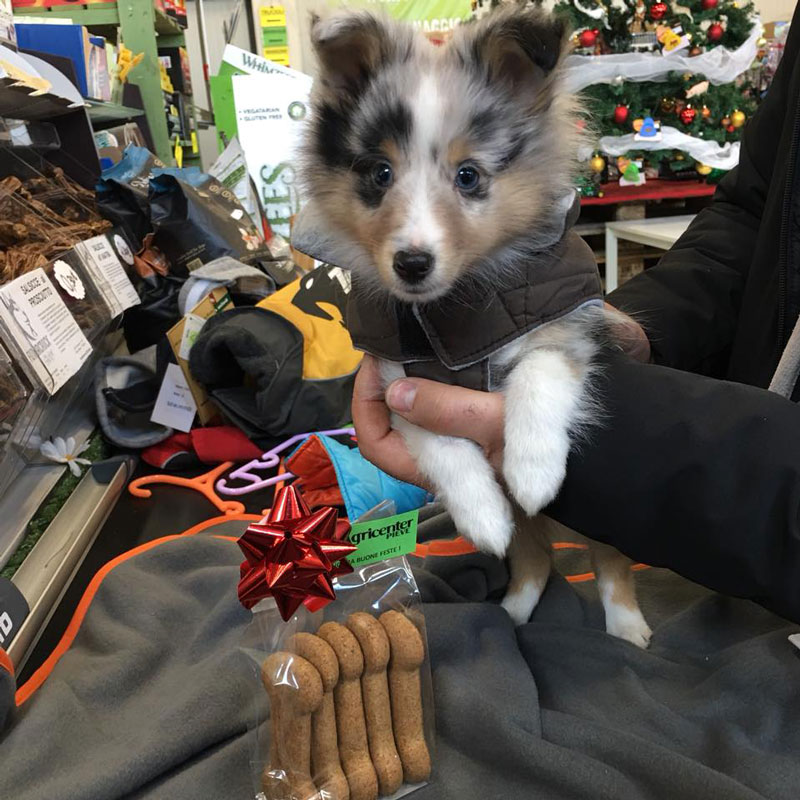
column 696, row 467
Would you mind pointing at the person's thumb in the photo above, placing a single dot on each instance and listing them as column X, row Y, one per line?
column 448, row 410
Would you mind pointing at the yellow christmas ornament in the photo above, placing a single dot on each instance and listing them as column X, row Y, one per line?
column 702, row 169
column 637, row 124
column 738, row 118
column 597, row 163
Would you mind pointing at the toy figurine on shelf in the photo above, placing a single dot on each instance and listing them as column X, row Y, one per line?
column 649, row 131
column 631, row 172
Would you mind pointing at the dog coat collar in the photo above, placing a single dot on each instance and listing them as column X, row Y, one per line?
column 452, row 339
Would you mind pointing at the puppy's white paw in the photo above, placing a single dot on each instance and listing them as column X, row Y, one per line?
column 484, row 518
column 534, row 475
column 629, row 624
column 520, row 601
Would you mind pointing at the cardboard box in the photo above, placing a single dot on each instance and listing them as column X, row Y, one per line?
column 74, row 42
column 218, row 301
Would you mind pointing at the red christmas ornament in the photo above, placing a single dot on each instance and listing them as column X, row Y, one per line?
column 658, row 10
column 588, row 38
column 708, row 4
column 687, row 115
column 293, row 555
column 730, row 129
column 714, row 32
column 620, row 114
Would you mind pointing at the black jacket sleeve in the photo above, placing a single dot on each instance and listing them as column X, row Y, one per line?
column 695, row 474
column 688, row 303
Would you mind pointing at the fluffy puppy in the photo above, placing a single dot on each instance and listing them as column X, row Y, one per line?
column 442, row 177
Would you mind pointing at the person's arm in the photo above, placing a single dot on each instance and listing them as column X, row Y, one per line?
column 689, row 302
column 686, row 472
column 695, row 474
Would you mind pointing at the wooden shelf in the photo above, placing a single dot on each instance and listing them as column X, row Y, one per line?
column 613, row 193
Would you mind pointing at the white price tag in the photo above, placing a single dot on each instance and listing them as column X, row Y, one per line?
column 175, row 406
column 43, row 328
column 108, row 273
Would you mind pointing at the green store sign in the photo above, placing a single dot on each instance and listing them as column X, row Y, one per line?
column 432, row 16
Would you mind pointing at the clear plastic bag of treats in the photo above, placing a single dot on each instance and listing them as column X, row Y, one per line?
column 344, row 675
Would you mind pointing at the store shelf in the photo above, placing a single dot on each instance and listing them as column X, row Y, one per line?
column 93, row 15
column 143, row 29
column 652, row 190
column 166, row 25
column 205, row 119
column 17, row 102
column 101, row 113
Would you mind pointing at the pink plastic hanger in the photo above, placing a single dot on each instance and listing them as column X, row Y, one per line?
column 269, row 460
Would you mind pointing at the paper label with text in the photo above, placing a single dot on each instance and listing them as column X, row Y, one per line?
column 42, row 327
column 108, row 273
column 175, row 407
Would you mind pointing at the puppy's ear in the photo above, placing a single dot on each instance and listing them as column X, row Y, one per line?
column 519, row 49
column 350, row 46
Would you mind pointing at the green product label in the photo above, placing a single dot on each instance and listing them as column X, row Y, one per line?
column 380, row 539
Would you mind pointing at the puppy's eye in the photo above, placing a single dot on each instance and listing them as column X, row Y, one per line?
column 467, row 178
column 383, row 175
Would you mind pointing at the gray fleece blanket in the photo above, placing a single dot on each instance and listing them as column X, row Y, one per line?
column 154, row 699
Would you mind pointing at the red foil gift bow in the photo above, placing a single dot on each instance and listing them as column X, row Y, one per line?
column 293, row 555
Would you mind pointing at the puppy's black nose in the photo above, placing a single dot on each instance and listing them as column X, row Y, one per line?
column 412, row 265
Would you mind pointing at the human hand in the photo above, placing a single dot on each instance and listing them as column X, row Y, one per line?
column 437, row 407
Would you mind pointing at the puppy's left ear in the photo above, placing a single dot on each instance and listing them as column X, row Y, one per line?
column 351, row 46
column 518, row 49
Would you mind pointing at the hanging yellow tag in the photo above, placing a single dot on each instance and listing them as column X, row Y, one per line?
column 195, row 148
column 178, row 152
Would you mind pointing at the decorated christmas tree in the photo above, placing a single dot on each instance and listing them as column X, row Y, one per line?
column 666, row 86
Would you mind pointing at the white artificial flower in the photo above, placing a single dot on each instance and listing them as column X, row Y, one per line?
column 65, row 453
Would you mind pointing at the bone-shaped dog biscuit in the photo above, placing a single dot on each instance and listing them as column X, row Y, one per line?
column 325, row 765
column 295, row 692
column 377, row 706
column 350, row 724
column 407, row 655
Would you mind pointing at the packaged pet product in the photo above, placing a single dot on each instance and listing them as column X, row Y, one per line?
column 196, row 219
column 122, row 193
column 341, row 672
